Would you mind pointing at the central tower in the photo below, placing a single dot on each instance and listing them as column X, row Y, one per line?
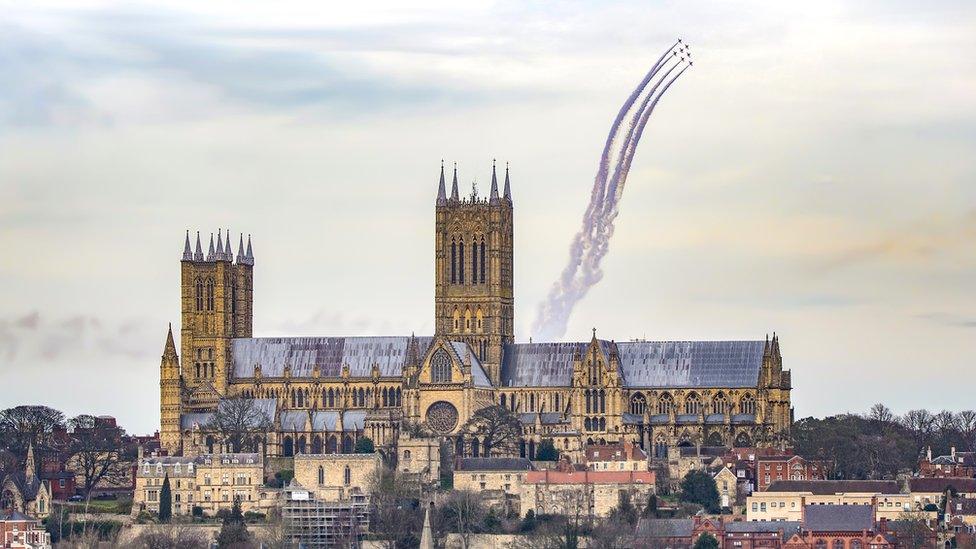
column 473, row 290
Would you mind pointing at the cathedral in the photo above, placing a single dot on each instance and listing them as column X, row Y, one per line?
column 322, row 394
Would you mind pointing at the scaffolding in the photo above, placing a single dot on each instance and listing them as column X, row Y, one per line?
column 312, row 524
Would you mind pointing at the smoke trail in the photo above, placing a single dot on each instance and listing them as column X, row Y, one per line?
column 578, row 245
column 591, row 243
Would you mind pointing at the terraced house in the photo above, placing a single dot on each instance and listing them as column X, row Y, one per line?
column 321, row 394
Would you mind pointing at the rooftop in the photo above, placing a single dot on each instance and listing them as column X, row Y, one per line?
column 838, row 518
column 827, row 487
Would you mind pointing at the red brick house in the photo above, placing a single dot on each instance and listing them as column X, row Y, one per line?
column 954, row 464
column 770, row 469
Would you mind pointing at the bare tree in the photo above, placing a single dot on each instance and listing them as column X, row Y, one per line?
column 966, row 421
column 395, row 513
column 611, row 533
column 170, row 536
column 240, row 423
column 499, row 430
column 881, row 415
column 463, row 513
column 23, row 426
column 912, row 530
column 567, row 528
column 919, row 422
column 98, row 453
column 945, row 423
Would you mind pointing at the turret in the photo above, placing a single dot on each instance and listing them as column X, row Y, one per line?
column 454, row 186
column 493, row 197
column 441, row 192
column 187, row 252
column 169, row 395
column 508, row 187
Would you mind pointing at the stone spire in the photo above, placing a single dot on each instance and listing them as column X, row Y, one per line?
column 30, row 470
column 169, row 351
column 210, row 253
column 187, row 251
column 493, row 197
column 220, row 247
column 240, row 249
column 508, row 186
column 227, row 251
column 249, row 255
column 441, row 193
column 198, row 255
column 454, row 186
column 427, row 536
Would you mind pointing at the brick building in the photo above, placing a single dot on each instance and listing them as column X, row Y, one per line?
column 624, row 456
column 590, row 493
column 953, row 464
column 19, row 531
column 770, row 469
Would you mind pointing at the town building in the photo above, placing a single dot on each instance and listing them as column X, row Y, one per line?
column 320, row 394
column 839, row 527
column 566, row 490
column 787, row 499
column 727, row 485
column 961, row 511
column 953, row 464
column 19, row 531
column 623, row 456
column 24, row 492
column 497, row 480
column 338, row 477
column 930, row 490
column 314, row 523
column 770, row 469
column 210, row 482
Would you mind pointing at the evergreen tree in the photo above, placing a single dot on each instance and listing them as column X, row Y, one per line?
column 699, row 487
column 364, row 445
column 650, row 511
column 547, row 451
column 233, row 532
column 706, row 541
column 165, row 501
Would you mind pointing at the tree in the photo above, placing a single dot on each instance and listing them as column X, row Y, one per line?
column 919, row 423
column 463, row 513
column 611, row 533
column 176, row 536
column 706, row 541
column 499, row 430
column 650, row 510
column 165, row 501
column 396, row 513
column 233, row 531
column 699, row 487
column 912, row 530
column 240, row 423
column 98, row 453
column 570, row 523
column 22, row 426
column 547, row 451
column 881, row 415
column 364, row 445
column 966, row 420
column 624, row 512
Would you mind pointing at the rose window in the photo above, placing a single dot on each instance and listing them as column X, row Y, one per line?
column 442, row 417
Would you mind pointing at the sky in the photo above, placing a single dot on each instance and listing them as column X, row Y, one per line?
column 812, row 175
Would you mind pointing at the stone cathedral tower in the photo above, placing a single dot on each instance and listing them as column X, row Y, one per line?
column 473, row 289
column 217, row 303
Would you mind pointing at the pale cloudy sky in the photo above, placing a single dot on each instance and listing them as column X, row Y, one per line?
column 813, row 174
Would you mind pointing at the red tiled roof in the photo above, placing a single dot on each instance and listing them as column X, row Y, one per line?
column 589, row 477
column 608, row 452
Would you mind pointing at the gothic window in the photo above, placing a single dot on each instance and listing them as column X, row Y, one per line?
column 719, row 404
column 288, row 448
column 603, row 401
column 482, row 260
column 453, row 262
column 321, row 475
column 747, row 405
column 442, row 417
column 300, row 446
column 347, row 476
column 479, row 318
column 501, row 401
column 855, row 544
column 475, row 447
column 440, row 367
column 603, row 424
column 467, row 320
column 692, row 404
column 331, row 399
column 385, row 397
column 461, row 262
column 317, row 445
column 198, row 293
column 557, row 403
column 660, row 447
column 399, row 396
column 331, row 445
column 233, row 298
column 587, row 395
column 665, row 404
column 198, row 369
column 474, row 262
column 638, row 404
column 210, row 294
column 347, row 445
column 532, row 403
column 457, row 320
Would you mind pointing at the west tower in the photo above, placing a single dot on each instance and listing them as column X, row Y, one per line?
column 473, row 273
column 217, row 305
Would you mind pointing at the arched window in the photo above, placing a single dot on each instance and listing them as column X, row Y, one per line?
column 210, row 294
column 603, row 424
column 317, row 444
column 479, row 318
column 474, row 261
column 820, row 544
column 347, row 445
column 557, row 403
column 198, row 293
column 719, row 404
column 532, row 402
column 461, row 262
column 440, row 367
column 347, row 476
column 457, row 320
column 331, row 445
column 665, row 404
column 301, row 445
column 587, row 396
column 855, row 544
column 453, row 262
column 638, row 404
column 331, row 399
column 321, row 475
column 467, row 320
column 475, row 447
column 603, row 401
column 482, row 260
column 501, row 401
column 747, row 405
column 399, row 395
column 386, row 401
column 288, row 448
column 838, row 544
column 692, row 404
column 660, row 446
column 406, row 455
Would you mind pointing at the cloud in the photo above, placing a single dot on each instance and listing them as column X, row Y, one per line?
column 33, row 337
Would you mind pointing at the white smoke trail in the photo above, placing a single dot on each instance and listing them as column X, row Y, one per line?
column 591, row 243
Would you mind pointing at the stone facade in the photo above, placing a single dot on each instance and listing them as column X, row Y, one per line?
column 786, row 500
column 583, row 493
column 320, row 395
column 337, row 477
column 210, row 481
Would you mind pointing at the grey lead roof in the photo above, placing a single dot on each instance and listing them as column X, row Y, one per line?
column 838, row 518
column 642, row 363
